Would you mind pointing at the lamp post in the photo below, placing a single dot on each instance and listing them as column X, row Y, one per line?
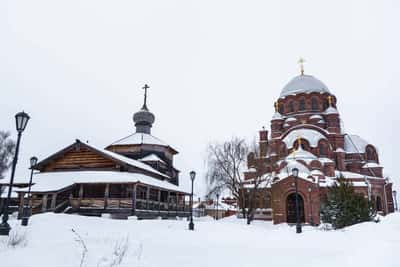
column 310, row 203
column 216, row 216
column 27, row 211
column 21, row 120
column 191, row 224
column 295, row 173
column 395, row 200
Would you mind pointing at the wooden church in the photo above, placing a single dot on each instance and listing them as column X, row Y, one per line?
column 133, row 176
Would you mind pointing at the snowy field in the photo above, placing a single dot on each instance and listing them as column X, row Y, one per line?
column 49, row 241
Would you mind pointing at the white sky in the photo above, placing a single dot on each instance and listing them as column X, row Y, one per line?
column 214, row 67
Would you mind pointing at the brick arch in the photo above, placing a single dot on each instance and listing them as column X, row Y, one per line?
column 305, row 126
column 303, row 196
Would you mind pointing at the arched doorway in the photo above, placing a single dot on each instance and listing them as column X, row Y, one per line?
column 291, row 208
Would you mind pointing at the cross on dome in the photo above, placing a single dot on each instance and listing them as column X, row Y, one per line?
column 301, row 63
column 145, row 87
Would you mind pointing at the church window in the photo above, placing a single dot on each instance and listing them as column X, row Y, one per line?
column 314, row 104
column 281, row 109
column 322, row 150
column 302, row 104
column 370, row 153
column 291, row 106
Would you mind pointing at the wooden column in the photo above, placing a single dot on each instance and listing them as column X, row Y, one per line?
column 53, row 201
column 21, row 204
column 44, row 203
column 159, row 201
column 80, row 194
column 134, row 200
column 168, row 199
column 106, row 195
column 147, row 197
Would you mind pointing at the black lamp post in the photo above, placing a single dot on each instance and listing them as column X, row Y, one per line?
column 21, row 120
column 216, row 216
column 295, row 173
column 191, row 224
column 27, row 211
column 310, row 203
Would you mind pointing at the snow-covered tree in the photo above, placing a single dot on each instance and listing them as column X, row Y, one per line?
column 344, row 207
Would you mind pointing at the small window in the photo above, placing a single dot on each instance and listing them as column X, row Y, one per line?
column 314, row 104
column 322, row 150
column 291, row 106
column 302, row 104
column 281, row 109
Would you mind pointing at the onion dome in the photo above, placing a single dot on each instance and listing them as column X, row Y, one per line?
column 304, row 84
column 144, row 119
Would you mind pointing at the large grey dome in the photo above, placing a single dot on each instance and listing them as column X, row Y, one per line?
column 304, row 84
column 144, row 120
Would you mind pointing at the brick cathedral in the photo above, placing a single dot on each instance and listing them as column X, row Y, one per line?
column 307, row 134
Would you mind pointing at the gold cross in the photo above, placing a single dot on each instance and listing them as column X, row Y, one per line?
column 301, row 62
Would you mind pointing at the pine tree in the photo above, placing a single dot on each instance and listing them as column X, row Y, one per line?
column 344, row 207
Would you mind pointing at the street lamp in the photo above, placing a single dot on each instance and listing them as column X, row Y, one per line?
column 191, row 224
column 216, row 216
column 295, row 173
column 21, row 120
column 310, row 203
column 27, row 211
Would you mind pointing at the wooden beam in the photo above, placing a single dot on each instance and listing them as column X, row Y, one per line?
column 53, row 201
column 147, row 197
column 106, row 195
column 44, row 203
column 134, row 199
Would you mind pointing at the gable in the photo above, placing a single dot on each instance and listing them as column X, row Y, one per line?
column 78, row 157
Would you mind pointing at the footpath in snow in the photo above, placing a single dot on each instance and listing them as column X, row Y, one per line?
column 49, row 241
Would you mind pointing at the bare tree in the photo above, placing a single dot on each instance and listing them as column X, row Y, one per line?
column 226, row 163
column 7, row 147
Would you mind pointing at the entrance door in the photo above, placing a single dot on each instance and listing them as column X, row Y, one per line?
column 291, row 208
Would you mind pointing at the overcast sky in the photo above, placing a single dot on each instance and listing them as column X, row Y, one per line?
column 215, row 69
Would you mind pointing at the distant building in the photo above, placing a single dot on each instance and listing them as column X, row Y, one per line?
column 307, row 134
column 132, row 176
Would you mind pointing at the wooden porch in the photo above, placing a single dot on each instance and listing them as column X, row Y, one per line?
column 120, row 200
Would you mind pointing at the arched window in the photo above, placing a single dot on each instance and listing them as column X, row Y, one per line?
column 370, row 153
column 291, row 106
column 314, row 104
column 322, row 150
column 302, row 104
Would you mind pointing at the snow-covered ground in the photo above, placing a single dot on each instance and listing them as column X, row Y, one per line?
column 228, row 242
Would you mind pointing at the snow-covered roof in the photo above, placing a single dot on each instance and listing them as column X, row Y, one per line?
column 331, row 110
column 286, row 125
column 371, row 165
column 304, row 84
column 290, row 119
column 316, row 116
column 4, row 192
column 354, row 175
column 286, row 172
column 277, row 116
column 300, row 153
column 312, row 136
column 140, row 138
column 129, row 161
column 52, row 181
column 354, row 144
column 152, row 157
column 339, row 150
